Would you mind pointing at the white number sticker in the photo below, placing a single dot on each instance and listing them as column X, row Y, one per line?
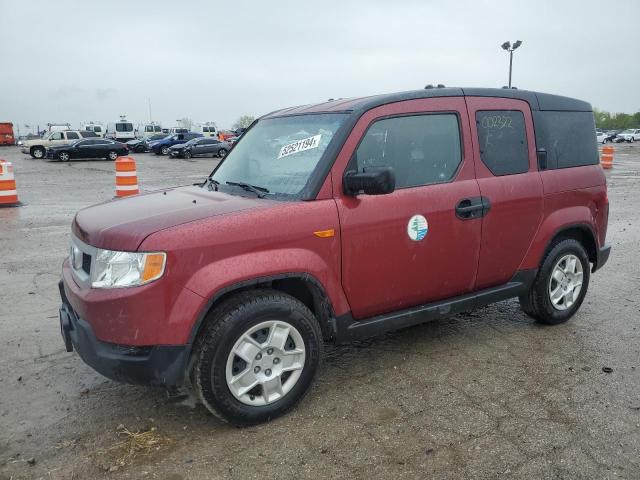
column 300, row 146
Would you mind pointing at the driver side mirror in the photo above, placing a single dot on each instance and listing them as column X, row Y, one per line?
column 372, row 181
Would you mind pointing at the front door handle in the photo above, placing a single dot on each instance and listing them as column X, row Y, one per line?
column 470, row 208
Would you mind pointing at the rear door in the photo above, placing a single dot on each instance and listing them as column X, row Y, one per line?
column 506, row 168
column 409, row 247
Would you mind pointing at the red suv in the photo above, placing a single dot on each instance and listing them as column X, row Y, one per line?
column 338, row 221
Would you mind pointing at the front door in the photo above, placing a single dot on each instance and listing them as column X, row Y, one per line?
column 412, row 246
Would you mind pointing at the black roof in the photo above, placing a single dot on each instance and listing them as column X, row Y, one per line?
column 536, row 100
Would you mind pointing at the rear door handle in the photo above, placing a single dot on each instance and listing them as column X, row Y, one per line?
column 470, row 208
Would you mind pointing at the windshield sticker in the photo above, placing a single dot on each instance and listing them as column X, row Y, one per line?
column 300, row 146
column 417, row 228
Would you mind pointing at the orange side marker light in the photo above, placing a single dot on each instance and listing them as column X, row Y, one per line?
column 325, row 233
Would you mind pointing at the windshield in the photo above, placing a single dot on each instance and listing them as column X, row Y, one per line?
column 280, row 154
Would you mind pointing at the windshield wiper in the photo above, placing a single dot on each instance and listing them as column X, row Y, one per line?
column 259, row 191
column 213, row 184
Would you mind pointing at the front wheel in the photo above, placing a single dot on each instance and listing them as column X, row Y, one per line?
column 164, row 150
column 257, row 357
column 37, row 152
column 63, row 156
column 561, row 284
column 112, row 155
column 187, row 154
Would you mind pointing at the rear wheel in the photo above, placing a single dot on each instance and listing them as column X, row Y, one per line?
column 561, row 284
column 257, row 357
column 222, row 152
column 37, row 152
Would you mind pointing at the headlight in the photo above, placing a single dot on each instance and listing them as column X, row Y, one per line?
column 126, row 269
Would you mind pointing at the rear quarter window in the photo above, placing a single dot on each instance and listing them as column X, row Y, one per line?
column 568, row 138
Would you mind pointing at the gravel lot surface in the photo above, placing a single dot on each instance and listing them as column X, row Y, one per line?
column 487, row 394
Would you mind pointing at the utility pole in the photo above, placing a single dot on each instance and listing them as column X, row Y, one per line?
column 510, row 48
column 149, row 100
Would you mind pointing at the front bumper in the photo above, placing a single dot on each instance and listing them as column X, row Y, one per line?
column 603, row 256
column 159, row 365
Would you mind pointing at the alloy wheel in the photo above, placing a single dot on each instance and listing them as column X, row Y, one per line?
column 265, row 363
column 565, row 282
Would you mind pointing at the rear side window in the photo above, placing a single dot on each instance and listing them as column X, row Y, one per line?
column 72, row 136
column 503, row 141
column 421, row 149
column 567, row 137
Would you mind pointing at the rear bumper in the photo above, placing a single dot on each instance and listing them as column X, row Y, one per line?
column 158, row 365
column 603, row 256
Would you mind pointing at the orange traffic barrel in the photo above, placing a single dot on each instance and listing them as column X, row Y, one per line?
column 126, row 177
column 606, row 159
column 8, row 191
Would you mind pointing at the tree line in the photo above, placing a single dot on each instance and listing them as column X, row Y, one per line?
column 616, row 121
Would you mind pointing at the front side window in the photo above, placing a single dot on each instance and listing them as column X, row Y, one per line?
column 279, row 154
column 72, row 136
column 503, row 141
column 56, row 136
column 421, row 149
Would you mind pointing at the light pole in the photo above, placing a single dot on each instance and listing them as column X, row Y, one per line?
column 510, row 48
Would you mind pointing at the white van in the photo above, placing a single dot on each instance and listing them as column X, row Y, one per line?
column 95, row 128
column 208, row 129
column 148, row 129
column 121, row 131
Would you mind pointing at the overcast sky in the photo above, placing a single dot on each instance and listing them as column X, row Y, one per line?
column 214, row 61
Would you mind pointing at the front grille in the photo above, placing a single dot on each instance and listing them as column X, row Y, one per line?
column 86, row 263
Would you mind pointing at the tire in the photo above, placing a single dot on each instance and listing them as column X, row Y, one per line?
column 222, row 152
column 112, row 155
column 139, row 149
column 37, row 152
column 64, row 156
column 216, row 362
column 187, row 154
column 538, row 302
column 164, row 150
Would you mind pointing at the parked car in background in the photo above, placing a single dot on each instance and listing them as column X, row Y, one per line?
column 601, row 137
column 199, row 147
column 121, row 131
column 611, row 135
column 628, row 135
column 90, row 148
column 6, row 134
column 224, row 134
column 37, row 148
column 232, row 140
column 141, row 145
column 161, row 147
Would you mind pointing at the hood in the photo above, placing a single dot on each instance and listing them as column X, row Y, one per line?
column 124, row 223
